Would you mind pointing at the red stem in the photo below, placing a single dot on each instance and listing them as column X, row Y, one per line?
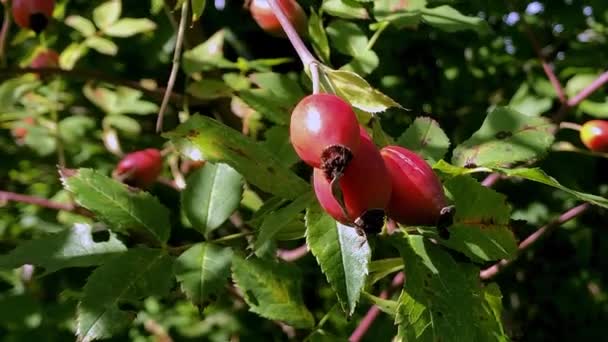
column 290, row 255
column 42, row 202
column 305, row 56
column 493, row 270
column 374, row 311
column 585, row 93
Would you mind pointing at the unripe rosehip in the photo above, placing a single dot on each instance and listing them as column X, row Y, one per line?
column 45, row 59
column 365, row 187
column 265, row 18
column 324, row 132
column 33, row 14
column 140, row 168
column 594, row 135
column 417, row 196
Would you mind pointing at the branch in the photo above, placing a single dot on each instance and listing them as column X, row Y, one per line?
column 373, row 312
column 293, row 254
column 585, row 93
column 91, row 75
column 175, row 68
column 493, row 270
column 305, row 55
column 43, row 202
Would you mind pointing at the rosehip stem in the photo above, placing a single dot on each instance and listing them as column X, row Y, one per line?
column 305, row 55
column 570, row 125
column 314, row 75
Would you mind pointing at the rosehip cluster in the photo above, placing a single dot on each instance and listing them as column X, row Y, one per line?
column 265, row 18
column 140, row 168
column 354, row 182
column 594, row 135
column 33, row 14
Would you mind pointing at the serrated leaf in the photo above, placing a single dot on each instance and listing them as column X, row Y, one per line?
column 126, row 279
column 447, row 18
column 426, row 138
column 481, row 224
column 204, row 138
column 203, row 270
column 128, row 27
column 107, row 13
column 318, row 37
column 81, row 24
column 73, row 247
column 272, row 290
column 343, row 255
column 354, row 89
column 198, row 6
column 212, row 194
column 505, row 137
column 538, row 175
column 442, row 298
column 275, row 221
column 101, row 45
column 120, row 208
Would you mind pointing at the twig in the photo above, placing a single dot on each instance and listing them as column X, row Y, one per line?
column 91, row 75
column 570, row 125
column 305, row 55
column 4, row 33
column 290, row 255
column 585, row 93
column 374, row 311
column 493, row 270
column 158, row 331
column 43, row 202
column 175, row 68
column 491, row 179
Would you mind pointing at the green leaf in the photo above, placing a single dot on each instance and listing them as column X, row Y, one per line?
column 205, row 55
column 209, row 89
column 284, row 87
column 204, row 138
column 596, row 109
column 343, row 255
column 267, row 104
column 126, row 279
column 347, row 37
column 442, row 298
column 448, row 19
column 387, row 306
column 505, row 137
column 354, row 89
column 203, row 270
column 120, row 208
column 275, row 221
column 128, row 27
column 198, row 6
column 107, row 13
column 579, row 82
column 277, row 141
column 101, row 45
column 379, row 269
column 81, row 24
column 73, row 247
column 347, row 9
column 123, row 123
column 399, row 13
column 74, row 128
column 212, row 194
column 318, row 37
column 538, row 175
column 272, row 290
column 481, row 224
column 71, row 55
column 426, row 138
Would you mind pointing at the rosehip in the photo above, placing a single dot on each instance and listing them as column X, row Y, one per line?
column 365, row 187
column 45, row 59
column 324, row 132
column 417, row 196
column 33, row 14
column 594, row 135
column 265, row 18
column 20, row 131
column 140, row 168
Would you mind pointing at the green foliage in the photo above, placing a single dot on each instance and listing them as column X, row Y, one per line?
column 426, row 138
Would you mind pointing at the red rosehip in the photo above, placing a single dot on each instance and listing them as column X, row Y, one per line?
column 265, row 18
column 20, row 131
column 365, row 187
column 417, row 196
column 45, row 59
column 594, row 135
column 140, row 168
column 324, row 132
column 33, row 14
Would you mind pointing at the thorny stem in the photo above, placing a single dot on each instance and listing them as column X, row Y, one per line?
column 175, row 68
column 305, row 55
column 495, row 269
column 374, row 311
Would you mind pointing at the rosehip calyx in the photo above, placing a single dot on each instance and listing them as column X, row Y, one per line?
column 324, row 132
column 594, row 134
column 33, row 14
column 417, row 196
column 140, row 168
